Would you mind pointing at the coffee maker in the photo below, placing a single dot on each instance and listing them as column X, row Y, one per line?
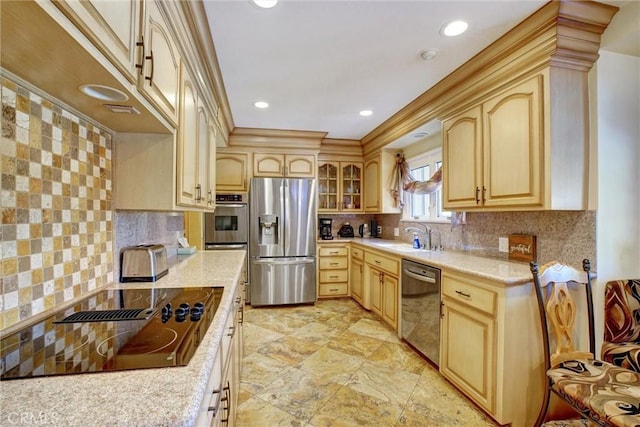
column 325, row 229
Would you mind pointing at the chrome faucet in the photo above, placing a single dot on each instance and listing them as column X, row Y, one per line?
column 437, row 247
column 426, row 233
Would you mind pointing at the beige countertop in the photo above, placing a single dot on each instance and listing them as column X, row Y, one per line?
column 145, row 397
column 501, row 271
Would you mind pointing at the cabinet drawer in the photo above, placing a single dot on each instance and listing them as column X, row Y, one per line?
column 332, row 276
column 333, row 251
column 390, row 265
column 333, row 289
column 357, row 253
column 467, row 293
column 327, row 263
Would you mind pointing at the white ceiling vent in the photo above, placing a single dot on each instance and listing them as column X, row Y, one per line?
column 121, row 109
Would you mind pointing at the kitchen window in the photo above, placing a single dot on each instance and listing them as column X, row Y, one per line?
column 425, row 207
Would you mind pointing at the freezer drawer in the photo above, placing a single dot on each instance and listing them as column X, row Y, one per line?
column 276, row 281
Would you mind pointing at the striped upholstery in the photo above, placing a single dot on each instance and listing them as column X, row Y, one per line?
column 621, row 344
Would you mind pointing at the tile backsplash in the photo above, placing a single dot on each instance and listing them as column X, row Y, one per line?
column 57, row 225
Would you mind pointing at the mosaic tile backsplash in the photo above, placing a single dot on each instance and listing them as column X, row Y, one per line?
column 56, row 182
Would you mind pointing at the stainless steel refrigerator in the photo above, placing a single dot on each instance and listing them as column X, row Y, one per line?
column 282, row 241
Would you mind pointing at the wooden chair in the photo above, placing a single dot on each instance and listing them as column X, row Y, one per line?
column 598, row 391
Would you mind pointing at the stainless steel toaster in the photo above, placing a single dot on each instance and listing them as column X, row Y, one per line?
column 143, row 263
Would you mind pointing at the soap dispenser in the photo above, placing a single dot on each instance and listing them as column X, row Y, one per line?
column 416, row 241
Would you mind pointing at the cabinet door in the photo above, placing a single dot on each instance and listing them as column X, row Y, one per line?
column 300, row 166
column 112, row 26
column 203, row 153
column 268, row 165
column 351, row 186
column 187, row 144
column 461, row 160
column 328, row 187
column 375, row 289
column 467, row 349
column 160, row 77
column 390, row 300
column 372, row 187
column 513, row 147
column 231, row 171
column 357, row 270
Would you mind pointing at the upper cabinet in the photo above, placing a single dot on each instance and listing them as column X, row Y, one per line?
column 499, row 154
column 114, row 27
column 194, row 149
column 160, row 72
column 378, row 172
column 284, row 165
column 231, row 171
column 340, row 186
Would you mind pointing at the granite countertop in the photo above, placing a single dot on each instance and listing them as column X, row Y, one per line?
column 501, row 271
column 145, row 397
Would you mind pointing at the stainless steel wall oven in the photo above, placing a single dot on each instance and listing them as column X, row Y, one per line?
column 228, row 227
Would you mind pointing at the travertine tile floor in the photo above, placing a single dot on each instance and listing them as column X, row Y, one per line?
column 335, row 364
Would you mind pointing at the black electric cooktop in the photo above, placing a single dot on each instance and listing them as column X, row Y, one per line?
column 116, row 329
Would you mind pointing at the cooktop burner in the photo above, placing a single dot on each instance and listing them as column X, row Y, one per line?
column 116, row 329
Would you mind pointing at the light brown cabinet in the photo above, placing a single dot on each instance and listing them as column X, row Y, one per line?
column 489, row 336
column 195, row 149
column 113, row 27
column 231, row 171
column 340, row 186
column 356, row 277
column 159, row 81
column 498, row 155
column 333, row 270
column 284, row 165
column 378, row 173
column 381, row 274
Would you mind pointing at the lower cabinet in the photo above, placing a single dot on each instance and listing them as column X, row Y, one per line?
column 220, row 401
column 491, row 346
column 356, row 281
column 333, row 270
column 381, row 278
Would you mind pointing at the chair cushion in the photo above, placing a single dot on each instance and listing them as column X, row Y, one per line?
column 626, row 354
column 622, row 311
column 607, row 394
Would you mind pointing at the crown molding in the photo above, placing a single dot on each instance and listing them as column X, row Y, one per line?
column 564, row 34
column 273, row 139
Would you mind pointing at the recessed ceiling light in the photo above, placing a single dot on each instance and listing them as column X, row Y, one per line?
column 103, row 93
column 265, row 4
column 261, row 104
column 455, row 28
column 366, row 113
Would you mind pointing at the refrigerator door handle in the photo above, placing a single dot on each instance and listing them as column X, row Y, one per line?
column 283, row 261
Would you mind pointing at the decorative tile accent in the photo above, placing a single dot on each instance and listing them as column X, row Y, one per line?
column 55, row 194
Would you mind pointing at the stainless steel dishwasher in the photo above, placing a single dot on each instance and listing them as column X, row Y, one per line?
column 421, row 308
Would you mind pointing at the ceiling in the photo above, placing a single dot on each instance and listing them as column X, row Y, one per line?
column 318, row 63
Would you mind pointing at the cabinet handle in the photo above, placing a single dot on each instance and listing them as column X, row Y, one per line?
column 333, row 290
column 233, row 331
column 241, row 321
column 441, row 309
column 334, row 263
column 477, row 195
column 334, row 252
column 484, row 194
column 227, row 404
column 376, row 261
column 214, row 409
column 139, row 64
column 463, row 294
column 334, row 277
column 150, row 58
column 198, row 197
column 210, row 198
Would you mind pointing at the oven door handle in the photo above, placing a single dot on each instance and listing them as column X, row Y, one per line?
column 419, row 277
column 224, row 205
column 238, row 246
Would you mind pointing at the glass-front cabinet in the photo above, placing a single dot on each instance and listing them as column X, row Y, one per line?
column 339, row 186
